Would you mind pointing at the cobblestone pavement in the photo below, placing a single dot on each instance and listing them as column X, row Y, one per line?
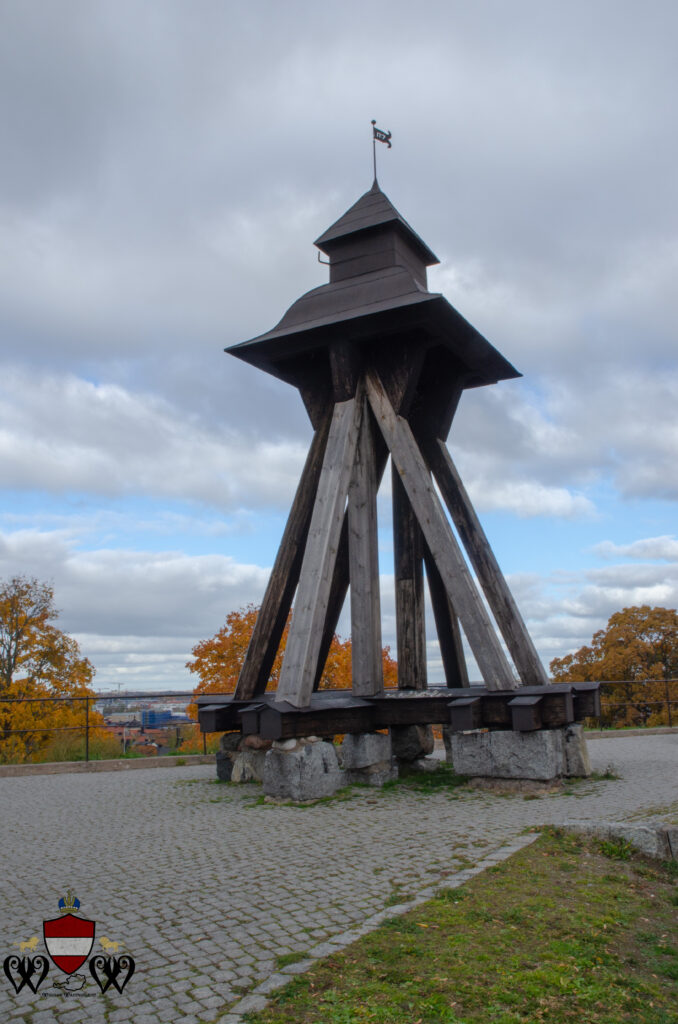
column 206, row 886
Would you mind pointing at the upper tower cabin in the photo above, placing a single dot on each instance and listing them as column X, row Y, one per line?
column 372, row 236
column 376, row 307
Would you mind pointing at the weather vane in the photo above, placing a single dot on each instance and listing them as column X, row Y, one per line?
column 378, row 136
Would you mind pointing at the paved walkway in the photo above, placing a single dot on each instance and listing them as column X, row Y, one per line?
column 206, row 887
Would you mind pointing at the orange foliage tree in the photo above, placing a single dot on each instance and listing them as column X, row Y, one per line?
column 217, row 661
column 37, row 661
column 639, row 645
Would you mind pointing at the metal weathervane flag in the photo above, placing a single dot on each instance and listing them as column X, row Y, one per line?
column 378, row 136
column 381, row 136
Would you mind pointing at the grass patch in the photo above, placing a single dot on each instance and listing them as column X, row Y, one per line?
column 609, row 773
column 552, row 935
column 616, row 849
column 289, row 958
column 443, row 778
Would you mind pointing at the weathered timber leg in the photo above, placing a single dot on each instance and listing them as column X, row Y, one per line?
column 447, row 626
column 340, row 579
column 272, row 617
column 366, row 664
column 481, row 556
column 441, row 541
column 409, row 590
column 338, row 592
column 300, row 663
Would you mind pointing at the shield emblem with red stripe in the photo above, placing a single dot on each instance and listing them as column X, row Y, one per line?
column 69, row 940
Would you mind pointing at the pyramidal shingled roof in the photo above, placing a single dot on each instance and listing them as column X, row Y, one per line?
column 374, row 209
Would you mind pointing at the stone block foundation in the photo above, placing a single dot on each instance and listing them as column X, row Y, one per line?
column 504, row 754
column 367, row 757
column 241, row 759
column 302, row 769
column 412, row 742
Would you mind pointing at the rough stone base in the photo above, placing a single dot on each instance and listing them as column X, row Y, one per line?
column 541, row 755
column 576, row 752
column 424, row 766
column 411, row 742
column 241, row 759
column 657, row 841
column 303, row 769
column 248, row 766
column 228, row 747
column 367, row 758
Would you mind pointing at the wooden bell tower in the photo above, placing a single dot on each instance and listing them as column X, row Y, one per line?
column 381, row 363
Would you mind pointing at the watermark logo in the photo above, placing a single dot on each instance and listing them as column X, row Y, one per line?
column 68, row 940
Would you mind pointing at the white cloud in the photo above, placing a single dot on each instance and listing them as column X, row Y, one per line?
column 62, row 433
column 659, row 548
column 529, row 499
column 133, row 593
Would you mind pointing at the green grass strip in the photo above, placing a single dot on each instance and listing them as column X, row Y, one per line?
column 559, row 933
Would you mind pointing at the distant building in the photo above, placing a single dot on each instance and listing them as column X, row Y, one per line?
column 124, row 717
column 156, row 718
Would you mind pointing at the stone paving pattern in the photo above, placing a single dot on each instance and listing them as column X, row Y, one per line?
column 206, row 886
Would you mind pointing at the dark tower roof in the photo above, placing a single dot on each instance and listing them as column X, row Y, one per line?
column 372, row 210
column 377, row 293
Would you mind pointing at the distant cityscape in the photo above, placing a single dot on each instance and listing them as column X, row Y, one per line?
column 142, row 723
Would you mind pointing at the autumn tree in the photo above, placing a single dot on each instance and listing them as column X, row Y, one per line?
column 639, row 646
column 217, row 661
column 36, row 661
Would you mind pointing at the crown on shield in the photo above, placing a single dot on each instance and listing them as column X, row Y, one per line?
column 69, row 904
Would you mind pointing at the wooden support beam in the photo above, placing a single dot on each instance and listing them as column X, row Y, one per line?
column 525, row 713
column 408, row 546
column 466, row 713
column 459, row 585
column 281, row 720
column 340, row 578
column 338, row 592
column 447, row 626
column 272, row 617
column 481, row 556
column 586, row 697
column 400, row 367
column 300, row 662
column 366, row 664
column 345, row 370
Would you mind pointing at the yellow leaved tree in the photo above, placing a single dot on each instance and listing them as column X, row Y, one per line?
column 640, row 647
column 217, row 661
column 37, row 661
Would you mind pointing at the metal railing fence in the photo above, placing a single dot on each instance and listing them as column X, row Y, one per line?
column 89, row 700
column 639, row 704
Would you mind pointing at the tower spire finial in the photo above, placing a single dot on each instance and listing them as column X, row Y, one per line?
column 378, row 136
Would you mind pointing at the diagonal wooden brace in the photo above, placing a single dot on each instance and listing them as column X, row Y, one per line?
column 302, row 653
column 272, row 617
column 441, row 541
column 481, row 556
column 366, row 663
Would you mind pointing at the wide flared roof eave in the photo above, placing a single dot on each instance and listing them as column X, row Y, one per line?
column 438, row 318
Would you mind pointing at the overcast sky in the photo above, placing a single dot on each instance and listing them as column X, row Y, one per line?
column 165, row 168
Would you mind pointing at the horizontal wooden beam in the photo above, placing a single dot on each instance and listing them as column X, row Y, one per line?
column 338, row 711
